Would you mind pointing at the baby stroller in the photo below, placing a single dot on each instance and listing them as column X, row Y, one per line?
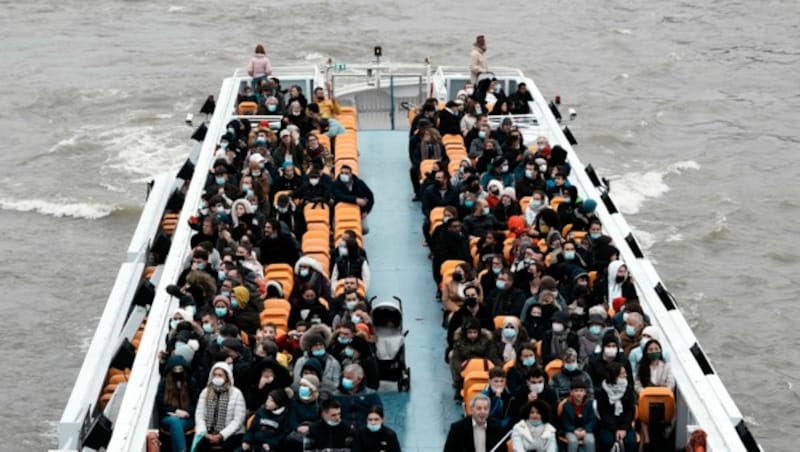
column 387, row 319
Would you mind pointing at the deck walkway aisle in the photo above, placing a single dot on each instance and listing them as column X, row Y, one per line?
column 399, row 267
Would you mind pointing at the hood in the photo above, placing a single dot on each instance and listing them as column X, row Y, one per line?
column 224, row 366
column 174, row 362
column 282, row 375
column 315, row 330
column 248, row 208
column 310, row 261
column 613, row 267
column 242, row 296
column 277, row 289
column 492, row 183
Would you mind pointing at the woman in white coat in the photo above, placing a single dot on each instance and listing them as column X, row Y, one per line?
column 221, row 412
column 534, row 433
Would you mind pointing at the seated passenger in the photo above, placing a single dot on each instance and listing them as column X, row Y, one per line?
column 509, row 338
column 309, row 270
column 537, row 203
column 329, row 432
column 578, row 419
column 308, row 307
column 306, row 406
column 450, row 118
column 349, row 263
column 453, row 291
column 287, row 150
column 569, row 373
column 507, row 207
column 221, row 412
column 296, row 115
column 500, row 172
column 350, row 189
column 271, row 424
column 616, row 404
column 354, row 397
column 277, row 247
column 505, row 299
column 471, row 308
column 316, row 155
column 632, row 335
column 481, row 220
column 470, row 342
column 534, row 431
column 653, row 370
column 175, row 400
column 519, row 100
column 448, row 241
column 635, row 356
column 315, row 188
column 517, row 375
column 559, row 338
column 592, row 334
column 500, row 398
column 288, row 179
column 608, row 353
column 295, row 93
column 328, row 107
column 313, row 344
column 358, row 351
column 375, row 435
column 265, row 375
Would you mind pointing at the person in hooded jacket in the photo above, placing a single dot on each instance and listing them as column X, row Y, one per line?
column 609, row 352
column 175, row 402
column 289, row 215
column 309, row 270
column 220, row 413
column 305, row 406
column 308, row 307
column 314, row 342
column 246, row 307
column 271, row 424
column 508, row 206
column 350, row 262
column 265, row 375
column 509, row 338
column 619, row 282
column 277, row 247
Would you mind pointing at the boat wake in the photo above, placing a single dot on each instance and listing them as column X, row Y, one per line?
column 88, row 211
column 631, row 190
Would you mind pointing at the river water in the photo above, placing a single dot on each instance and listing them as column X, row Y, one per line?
column 690, row 108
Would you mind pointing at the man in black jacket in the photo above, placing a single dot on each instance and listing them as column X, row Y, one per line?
column 329, row 432
column 477, row 433
column 350, row 189
column 450, row 118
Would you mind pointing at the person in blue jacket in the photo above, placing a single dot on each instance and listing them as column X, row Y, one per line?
column 577, row 418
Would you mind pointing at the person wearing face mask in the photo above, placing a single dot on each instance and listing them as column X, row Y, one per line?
column 507, row 207
column 449, row 241
column 350, row 262
column 265, row 375
column 517, row 374
column 619, row 282
column 484, row 149
column 375, row 435
column 349, row 188
column 355, row 398
column 220, row 413
column 631, row 335
column 653, row 370
column 289, row 215
column 287, row 150
column 314, row 343
column 271, row 424
column 609, row 352
column 315, row 189
column 559, row 338
column 296, row 115
column 309, row 270
column 592, row 334
column 358, row 351
column 537, row 203
column 481, row 221
column 570, row 372
column 506, row 299
column 175, row 401
column 472, row 308
column 329, row 433
column 534, row 432
column 495, row 265
column 616, row 403
column 471, row 341
column 316, row 154
column 276, row 246
column 489, row 245
column 500, row 397
column 501, row 172
column 528, row 179
column 305, row 405
column 453, row 291
column 508, row 338
column 308, row 307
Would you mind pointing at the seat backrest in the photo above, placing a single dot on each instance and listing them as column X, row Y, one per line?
column 469, row 393
column 656, row 395
column 247, row 108
column 553, row 367
column 277, row 303
column 476, row 364
column 449, row 266
column 498, row 321
column 523, row 203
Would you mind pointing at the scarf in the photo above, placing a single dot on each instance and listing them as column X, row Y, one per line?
column 615, row 393
column 558, row 345
column 216, row 409
column 578, row 407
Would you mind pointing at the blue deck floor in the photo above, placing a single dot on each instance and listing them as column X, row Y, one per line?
column 399, row 266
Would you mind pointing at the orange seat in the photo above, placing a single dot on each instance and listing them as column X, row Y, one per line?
column 323, row 259
column 319, row 228
column 283, row 273
column 247, row 108
column 470, row 392
column 315, row 246
column 346, row 209
column 475, row 364
column 565, row 230
column 283, row 192
column 499, row 321
column 169, row 223
column 555, row 202
column 361, row 290
column 553, row 367
column 523, row 203
column 317, row 213
column 425, row 167
column 592, row 278
column 656, row 395
column 448, row 267
column 508, row 246
column 452, row 138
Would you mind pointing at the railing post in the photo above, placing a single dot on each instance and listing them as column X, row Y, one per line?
column 391, row 100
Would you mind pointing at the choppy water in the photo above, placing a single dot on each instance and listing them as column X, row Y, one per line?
column 690, row 107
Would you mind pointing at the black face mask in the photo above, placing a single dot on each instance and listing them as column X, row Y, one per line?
column 458, row 277
column 471, row 302
column 619, row 279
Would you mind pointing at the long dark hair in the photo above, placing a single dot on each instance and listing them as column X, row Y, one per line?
column 644, row 365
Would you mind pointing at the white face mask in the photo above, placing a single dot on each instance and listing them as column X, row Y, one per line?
column 218, row 381
column 313, row 182
column 610, row 352
column 536, row 387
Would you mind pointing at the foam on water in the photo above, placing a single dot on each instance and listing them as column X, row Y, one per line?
column 59, row 208
column 630, row 190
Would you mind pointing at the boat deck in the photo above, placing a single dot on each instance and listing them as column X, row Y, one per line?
column 399, row 267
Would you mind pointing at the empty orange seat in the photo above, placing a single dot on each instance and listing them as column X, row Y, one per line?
column 656, row 395
column 169, row 223
column 247, row 108
column 553, row 367
column 317, row 213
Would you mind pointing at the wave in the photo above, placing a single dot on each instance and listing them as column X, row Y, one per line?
column 89, row 211
column 631, row 190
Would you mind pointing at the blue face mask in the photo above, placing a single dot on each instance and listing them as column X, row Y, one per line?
column 481, row 134
column 595, row 235
column 373, row 427
column 173, row 324
column 235, row 303
column 348, row 352
column 630, row 331
column 332, row 423
column 500, row 284
column 355, row 319
column 535, row 423
column 569, row 255
column 304, row 392
column 201, row 266
column 595, row 329
column 220, row 340
column 207, row 328
column 221, row 275
column 529, row 362
column 469, row 204
column 319, row 353
column 348, row 383
column 345, row 178
column 486, row 211
column 509, row 333
column 572, row 367
column 220, row 180
column 344, row 340
column 221, row 312
column 225, row 293
column 350, row 305
column 496, row 270
column 271, row 108
column 261, row 141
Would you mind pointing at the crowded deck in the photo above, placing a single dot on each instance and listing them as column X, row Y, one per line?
column 266, row 318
